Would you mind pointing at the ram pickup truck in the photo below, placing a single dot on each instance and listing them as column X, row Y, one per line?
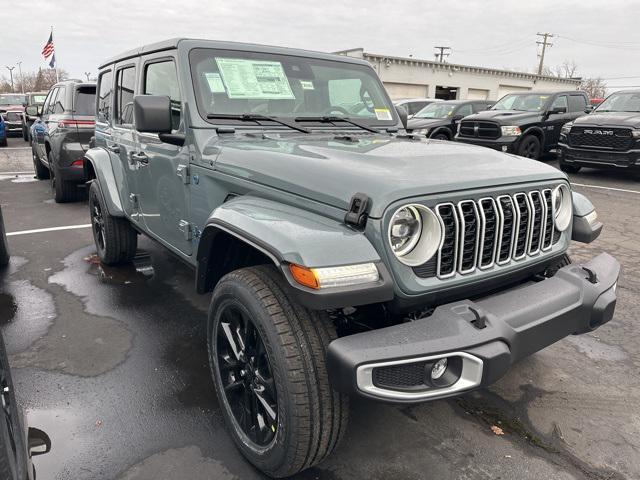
column 343, row 257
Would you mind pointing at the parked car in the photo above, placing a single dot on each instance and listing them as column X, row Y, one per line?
column 527, row 124
column 33, row 98
column 414, row 105
column 61, row 136
column 440, row 120
column 11, row 108
column 3, row 132
column 342, row 257
column 17, row 445
column 608, row 138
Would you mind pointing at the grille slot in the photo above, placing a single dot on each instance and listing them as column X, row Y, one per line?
column 400, row 376
column 473, row 129
column 492, row 231
column 619, row 139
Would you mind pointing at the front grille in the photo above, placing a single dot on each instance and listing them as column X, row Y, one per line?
column 619, row 139
column 400, row 376
column 12, row 116
column 470, row 128
column 492, row 231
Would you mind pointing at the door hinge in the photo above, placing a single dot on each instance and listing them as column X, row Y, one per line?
column 185, row 228
column 133, row 199
column 357, row 214
column 183, row 172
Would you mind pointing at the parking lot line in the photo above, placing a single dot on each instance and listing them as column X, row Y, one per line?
column 637, row 192
column 15, row 148
column 51, row 229
column 17, row 173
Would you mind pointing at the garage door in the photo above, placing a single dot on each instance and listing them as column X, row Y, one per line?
column 505, row 89
column 477, row 94
column 404, row 90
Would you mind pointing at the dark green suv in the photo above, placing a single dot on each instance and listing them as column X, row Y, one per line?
column 343, row 257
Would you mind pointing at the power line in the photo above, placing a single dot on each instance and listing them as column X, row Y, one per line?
column 545, row 43
column 442, row 53
column 614, row 45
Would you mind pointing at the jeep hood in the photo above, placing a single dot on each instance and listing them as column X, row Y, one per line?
column 329, row 170
column 610, row 119
column 504, row 117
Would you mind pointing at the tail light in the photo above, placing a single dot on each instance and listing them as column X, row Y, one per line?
column 76, row 123
column 78, row 163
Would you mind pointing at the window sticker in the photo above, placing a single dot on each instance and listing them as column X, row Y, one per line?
column 383, row 114
column 255, row 79
column 306, row 85
column 215, row 82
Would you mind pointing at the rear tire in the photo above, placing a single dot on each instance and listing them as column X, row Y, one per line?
column 530, row 147
column 569, row 168
column 42, row 172
column 310, row 417
column 116, row 240
column 63, row 191
column 25, row 133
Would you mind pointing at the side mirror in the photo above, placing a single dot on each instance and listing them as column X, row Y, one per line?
column 457, row 118
column 557, row 111
column 588, row 109
column 33, row 110
column 152, row 114
column 404, row 117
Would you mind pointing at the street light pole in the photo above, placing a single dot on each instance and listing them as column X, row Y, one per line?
column 11, row 76
column 87, row 74
column 21, row 77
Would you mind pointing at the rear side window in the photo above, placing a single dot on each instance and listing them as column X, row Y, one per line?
column 104, row 96
column 125, row 90
column 84, row 102
column 161, row 78
column 58, row 105
column 577, row 103
column 49, row 101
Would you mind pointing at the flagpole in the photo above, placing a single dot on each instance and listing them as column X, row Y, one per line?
column 56, row 64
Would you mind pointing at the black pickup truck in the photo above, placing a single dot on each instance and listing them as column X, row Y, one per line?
column 527, row 124
column 608, row 138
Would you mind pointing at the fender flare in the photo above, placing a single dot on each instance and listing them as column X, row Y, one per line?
column 539, row 131
column 100, row 161
column 287, row 234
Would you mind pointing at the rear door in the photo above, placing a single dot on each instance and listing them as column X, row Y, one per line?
column 40, row 128
column 163, row 175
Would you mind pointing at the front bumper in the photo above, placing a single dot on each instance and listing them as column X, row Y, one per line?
column 480, row 338
column 502, row 144
column 584, row 157
column 13, row 126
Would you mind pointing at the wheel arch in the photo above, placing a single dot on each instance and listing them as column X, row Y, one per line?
column 98, row 168
column 537, row 132
column 442, row 130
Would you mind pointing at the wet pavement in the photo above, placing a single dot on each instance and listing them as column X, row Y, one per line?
column 112, row 363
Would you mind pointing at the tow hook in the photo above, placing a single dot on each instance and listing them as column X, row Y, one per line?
column 592, row 278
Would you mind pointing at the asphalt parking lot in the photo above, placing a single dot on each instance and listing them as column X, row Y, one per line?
column 112, row 364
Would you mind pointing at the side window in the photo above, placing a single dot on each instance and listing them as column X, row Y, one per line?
column 560, row 102
column 58, row 105
column 415, row 107
column 465, row 110
column 577, row 103
column 104, row 96
column 125, row 89
column 480, row 107
column 161, row 78
column 49, row 99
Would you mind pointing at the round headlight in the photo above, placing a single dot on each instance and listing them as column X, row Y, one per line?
column 415, row 234
column 562, row 207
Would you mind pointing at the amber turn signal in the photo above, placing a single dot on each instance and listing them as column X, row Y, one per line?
column 304, row 276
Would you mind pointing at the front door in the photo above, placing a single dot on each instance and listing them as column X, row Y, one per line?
column 555, row 121
column 163, row 176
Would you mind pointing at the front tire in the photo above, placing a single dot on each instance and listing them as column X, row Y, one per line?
column 116, row 240
column 530, row 147
column 569, row 168
column 267, row 356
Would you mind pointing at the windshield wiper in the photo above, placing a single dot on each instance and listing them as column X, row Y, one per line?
column 333, row 119
column 255, row 117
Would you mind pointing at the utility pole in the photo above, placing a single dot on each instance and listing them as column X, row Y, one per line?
column 545, row 43
column 442, row 55
column 21, row 77
column 87, row 74
column 11, row 76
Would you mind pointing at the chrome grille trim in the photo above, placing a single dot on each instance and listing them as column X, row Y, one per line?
column 507, row 229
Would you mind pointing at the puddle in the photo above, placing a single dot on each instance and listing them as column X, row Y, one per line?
column 596, row 349
column 19, row 178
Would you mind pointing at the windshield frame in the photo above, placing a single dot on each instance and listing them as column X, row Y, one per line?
column 544, row 107
column 611, row 97
column 212, row 52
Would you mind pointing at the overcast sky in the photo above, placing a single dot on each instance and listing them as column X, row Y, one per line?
column 602, row 37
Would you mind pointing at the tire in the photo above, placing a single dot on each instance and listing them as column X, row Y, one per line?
column 311, row 417
column 441, row 136
column 4, row 246
column 25, row 133
column 4, row 142
column 42, row 172
column 63, row 191
column 116, row 240
column 13, row 456
column 569, row 168
column 530, row 147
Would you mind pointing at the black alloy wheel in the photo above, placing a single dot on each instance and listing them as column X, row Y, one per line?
column 245, row 372
column 530, row 147
column 97, row 223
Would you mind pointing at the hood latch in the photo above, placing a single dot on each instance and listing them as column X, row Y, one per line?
column 357, row 214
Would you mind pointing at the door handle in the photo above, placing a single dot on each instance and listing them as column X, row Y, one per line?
column 113, row 147
column 140, row 158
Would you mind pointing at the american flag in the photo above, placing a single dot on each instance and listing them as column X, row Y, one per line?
column 49, row 51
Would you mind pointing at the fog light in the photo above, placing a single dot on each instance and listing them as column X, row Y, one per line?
column 504, row 148
column 439, row 368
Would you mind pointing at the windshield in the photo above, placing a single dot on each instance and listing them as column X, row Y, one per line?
column 621, row 102
column 237, row 83
column 533, row 102
column 13, row 99
column 38, row 99
column 436, row 110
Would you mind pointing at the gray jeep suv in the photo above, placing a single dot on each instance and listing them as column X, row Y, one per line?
column 61, row 135
column 342, row 257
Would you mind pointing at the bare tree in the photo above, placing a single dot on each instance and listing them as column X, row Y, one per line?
column 595, row 87
column 39, row 81
column 568, row 69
